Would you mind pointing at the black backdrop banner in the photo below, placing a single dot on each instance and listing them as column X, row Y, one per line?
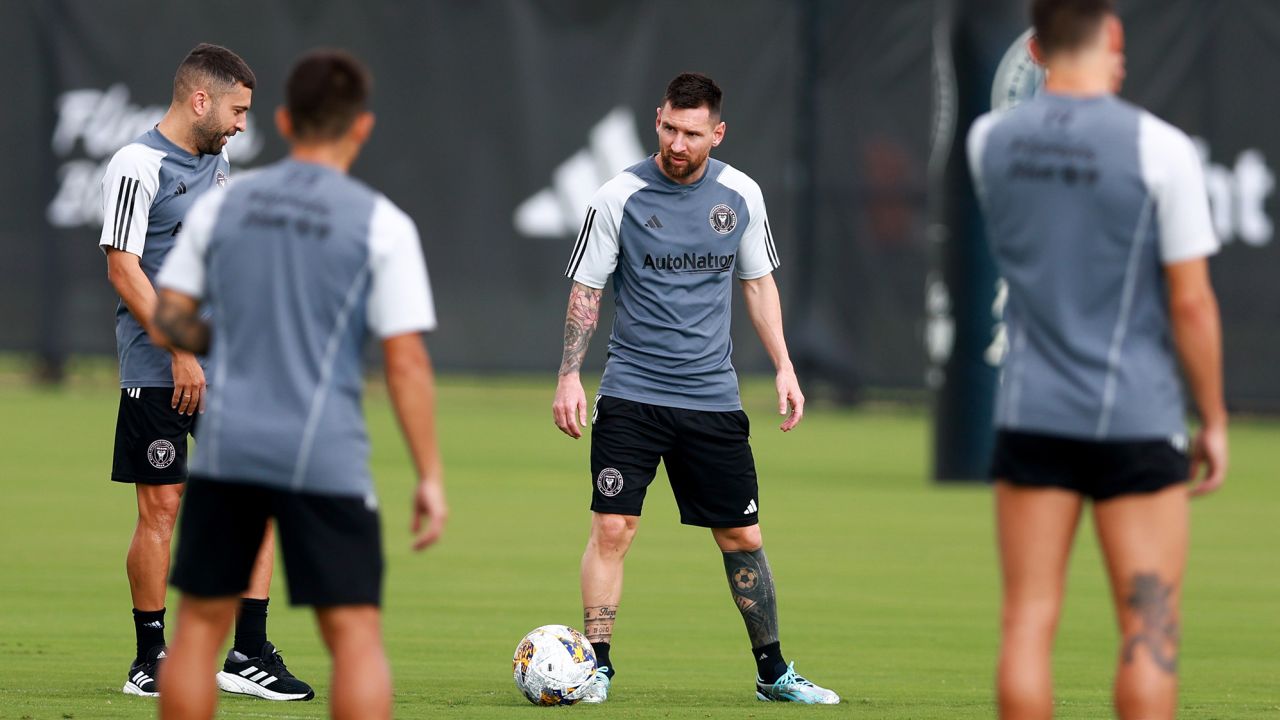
column 498, row 118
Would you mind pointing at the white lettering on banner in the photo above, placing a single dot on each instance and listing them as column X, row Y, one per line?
column 1238, row 196
column 100, row 122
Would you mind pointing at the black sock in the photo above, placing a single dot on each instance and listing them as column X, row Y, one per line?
column 251, row 627
column 602, row 658
column 148, row 626
column 769, row 663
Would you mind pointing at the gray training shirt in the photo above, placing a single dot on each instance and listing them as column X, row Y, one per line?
column 299, row 264
column 1086, row 201
column 150, row 185
column 673, row 251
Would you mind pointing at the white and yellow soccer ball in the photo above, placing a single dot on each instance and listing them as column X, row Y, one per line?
column 553, row 665
column 1018, row 77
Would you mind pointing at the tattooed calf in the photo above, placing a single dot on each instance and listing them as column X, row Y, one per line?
column 1150, row 599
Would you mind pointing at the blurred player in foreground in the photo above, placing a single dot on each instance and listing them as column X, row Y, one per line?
column 673, row 231
column 148, row 188
column 300, row 264
column 1099, row 221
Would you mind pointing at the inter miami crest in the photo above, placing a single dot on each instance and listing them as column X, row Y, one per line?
column 221, row 179
column 723, row 219
column 161, row 454
column 609, row 482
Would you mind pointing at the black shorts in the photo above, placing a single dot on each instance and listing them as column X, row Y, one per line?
column 331, row 545
column 151, row 438
column 707, row 454
column 1100, row 470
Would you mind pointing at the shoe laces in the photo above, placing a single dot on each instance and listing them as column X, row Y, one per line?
column 791, row 677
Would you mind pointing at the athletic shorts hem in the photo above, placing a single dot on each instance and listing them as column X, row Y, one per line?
column 717, row 524
column 615, row 511
column 138, row 480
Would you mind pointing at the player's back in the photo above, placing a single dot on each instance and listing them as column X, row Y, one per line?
column 1073, row 190
column 289, row 261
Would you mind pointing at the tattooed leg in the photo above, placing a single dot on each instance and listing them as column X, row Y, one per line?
column 1158, row 634
column 598, row 623
column 751, row 582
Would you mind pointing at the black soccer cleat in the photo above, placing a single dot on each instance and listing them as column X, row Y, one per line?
column 143, row 674
column 264, row 676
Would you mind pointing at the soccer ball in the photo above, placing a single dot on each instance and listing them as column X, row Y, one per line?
column 553, row 665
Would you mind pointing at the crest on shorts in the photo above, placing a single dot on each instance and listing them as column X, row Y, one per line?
column 723, row 219
column 221, row 179
column 609, row 482
column 161, row 454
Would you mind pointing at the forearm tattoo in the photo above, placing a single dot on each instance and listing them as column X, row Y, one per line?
column 185, row 330
column 579, row 324
column 598, row 623
column 751, row 582
column 1159, row 634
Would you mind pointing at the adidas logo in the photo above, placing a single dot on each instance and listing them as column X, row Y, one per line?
column 612, row 145
column 155, row 624
column 751, row 507
column 182, row 188
column 162, row 655
column 653, row 222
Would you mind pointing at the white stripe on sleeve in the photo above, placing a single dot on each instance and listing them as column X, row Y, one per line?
column 400, row 291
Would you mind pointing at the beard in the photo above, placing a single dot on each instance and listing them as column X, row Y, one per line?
column 208, row 136
column 677, row 172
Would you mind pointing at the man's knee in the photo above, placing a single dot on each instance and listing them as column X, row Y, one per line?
column 1030, row 618
column 351, row 627
column 158, row 507
column 739, row 539
column 613, row 533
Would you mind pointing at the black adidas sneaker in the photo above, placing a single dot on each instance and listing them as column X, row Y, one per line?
column 143, row 674
column 264, row 676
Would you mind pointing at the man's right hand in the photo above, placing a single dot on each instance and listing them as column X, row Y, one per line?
column 188, row 384
column 1209, row 458
column 570, row 406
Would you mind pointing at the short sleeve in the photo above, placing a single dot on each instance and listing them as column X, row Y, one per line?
column 757, row 255
column 595, row 254
column 184, row 268
column 128, row 188
column 1175, row 177
column 399, row 291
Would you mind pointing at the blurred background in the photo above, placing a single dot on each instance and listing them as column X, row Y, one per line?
column 497, row 119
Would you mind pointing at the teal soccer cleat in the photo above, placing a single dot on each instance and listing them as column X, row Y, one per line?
column 598, row 690
column 792, row 687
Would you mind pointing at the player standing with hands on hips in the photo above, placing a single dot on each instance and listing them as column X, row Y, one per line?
column 1099, row 221
column 673, row 230
column 300, row 264
column 148, row 188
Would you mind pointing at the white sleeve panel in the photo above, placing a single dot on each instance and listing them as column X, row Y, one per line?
column 1175, row 178
column 399, row 290
column 595, row 254
column 976, row 146
column 184, row 267
column 131, row 183
column 757, row 255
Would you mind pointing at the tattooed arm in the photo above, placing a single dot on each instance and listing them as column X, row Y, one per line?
column 570, row 406
column 178, row 324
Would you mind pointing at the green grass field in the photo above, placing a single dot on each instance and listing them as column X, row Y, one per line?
column 887, row 583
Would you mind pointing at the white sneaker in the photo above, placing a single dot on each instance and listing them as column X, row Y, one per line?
column 792, row 687
column 598, row 691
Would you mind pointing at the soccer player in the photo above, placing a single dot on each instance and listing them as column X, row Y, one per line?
column 299, row 264
column 149, row 185
column 1098, row 219
column 673, row 230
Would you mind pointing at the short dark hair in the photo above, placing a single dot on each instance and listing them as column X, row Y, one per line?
column 1066, row 25
column 693, row 90
column 214, row 63
column 327, row 89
